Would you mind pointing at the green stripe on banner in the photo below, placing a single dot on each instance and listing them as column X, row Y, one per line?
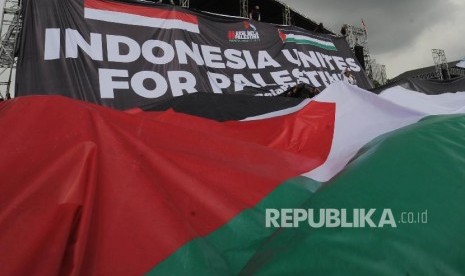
column 228, row 249
column 412, row 170
column 309, row 42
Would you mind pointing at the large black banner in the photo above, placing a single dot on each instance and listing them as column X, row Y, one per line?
column 126, row 54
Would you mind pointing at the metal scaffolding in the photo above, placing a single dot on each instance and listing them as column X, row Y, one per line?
column 10, row 28
column 440, row 64
column 356, row 36
column 378, row 72
column 244, row 5
column 287, row 15
column 184, row 3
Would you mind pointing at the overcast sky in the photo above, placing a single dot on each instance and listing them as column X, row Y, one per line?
column 401, row 33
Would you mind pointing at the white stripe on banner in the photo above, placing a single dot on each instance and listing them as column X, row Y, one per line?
column 302, row 37
column 139, row 20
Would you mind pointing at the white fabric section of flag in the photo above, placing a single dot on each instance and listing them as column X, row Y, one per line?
column 362, row 116
column 139, row 20
column 446, row 103
column 461, row 64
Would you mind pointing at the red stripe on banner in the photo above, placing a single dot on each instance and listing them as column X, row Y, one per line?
column 140, row 10
column 92, row 191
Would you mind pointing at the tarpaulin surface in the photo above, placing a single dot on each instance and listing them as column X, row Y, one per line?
column 415, row 172
column 87, row 190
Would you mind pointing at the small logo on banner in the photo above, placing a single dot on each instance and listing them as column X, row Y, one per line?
column 249, row 34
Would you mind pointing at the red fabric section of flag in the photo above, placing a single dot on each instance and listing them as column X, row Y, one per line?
column 140, row 10
column 282, row 36
column 88, row 190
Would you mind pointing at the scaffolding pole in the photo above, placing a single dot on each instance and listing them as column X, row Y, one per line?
column 440, row 64
column 356, row 36
column 287, row 15
column 184, row 3
column 244, row 5
column 10, row 29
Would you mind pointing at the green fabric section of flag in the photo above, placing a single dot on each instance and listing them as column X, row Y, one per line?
column 228, row 249
column 416, row 169
column 310, row 42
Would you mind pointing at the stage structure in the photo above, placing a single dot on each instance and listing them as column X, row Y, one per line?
column 430, row 73
column 286, row 11
column 441, row 70
column 357, row 39
column 275, row 11
column 10, row 28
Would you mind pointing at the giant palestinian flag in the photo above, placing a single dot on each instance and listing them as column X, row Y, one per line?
column 125, row 54
column 88, row 190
